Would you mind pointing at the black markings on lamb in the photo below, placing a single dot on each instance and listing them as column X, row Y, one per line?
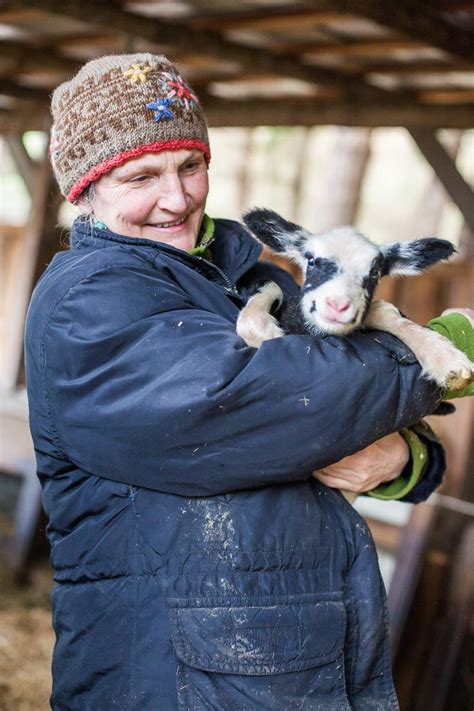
column 341, row 271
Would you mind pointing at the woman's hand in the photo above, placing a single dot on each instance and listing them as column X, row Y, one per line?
column 381, row 461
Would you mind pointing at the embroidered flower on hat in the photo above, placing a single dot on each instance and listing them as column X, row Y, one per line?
column 177, row 89
column 160, row 107
column 137, row 73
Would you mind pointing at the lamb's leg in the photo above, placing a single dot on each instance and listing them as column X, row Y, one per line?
column 440, row 360
column 255, row 323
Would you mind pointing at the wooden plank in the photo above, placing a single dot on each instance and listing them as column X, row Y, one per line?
column 453, row 96
column 413, row 543
column 12, row 16
column 267, row 22
column 414, row 646
column 23, row 270
column 446, row 171
column 227, row 113
column 311, row 113
column 27, row 93
column 181, row 37
column 407, row 17
column 417, row 67
column 356, row 49
column 31, row 57
column 30, row 118
column 440, row 666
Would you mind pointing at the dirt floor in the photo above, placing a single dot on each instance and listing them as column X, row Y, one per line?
column 26, row 641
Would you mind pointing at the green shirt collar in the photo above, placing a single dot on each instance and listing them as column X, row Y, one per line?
column 205, row 238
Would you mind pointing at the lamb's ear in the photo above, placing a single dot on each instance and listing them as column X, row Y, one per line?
column 274, row 231
column 408, row 258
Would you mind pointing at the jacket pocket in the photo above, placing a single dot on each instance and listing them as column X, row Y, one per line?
column 239, row 653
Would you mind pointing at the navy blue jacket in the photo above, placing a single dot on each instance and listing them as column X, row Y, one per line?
column 198, row 564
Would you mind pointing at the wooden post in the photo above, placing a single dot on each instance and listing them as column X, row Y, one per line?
column 435, row 197
column 338, row 197
column 445, row 168
column 26, row 166
column 24, row 269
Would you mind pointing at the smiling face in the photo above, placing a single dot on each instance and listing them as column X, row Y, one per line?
column 157, row 196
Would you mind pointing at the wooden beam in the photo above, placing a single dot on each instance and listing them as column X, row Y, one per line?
column 298, row 112
column 452, row 5
column 446, row 171
column 416, row 67
column 27, row 93
column 408, row 17
column 226, row 113
column 266, row 22
column 182, row 37
column 32, row 117
column 11, row 15
column 29, row 57
column 356, row 49
column 221, row 112
column 453, row 96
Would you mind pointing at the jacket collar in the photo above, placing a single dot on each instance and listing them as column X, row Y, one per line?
column 233, row 249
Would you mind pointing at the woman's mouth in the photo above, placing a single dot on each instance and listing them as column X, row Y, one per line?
column 172, row 225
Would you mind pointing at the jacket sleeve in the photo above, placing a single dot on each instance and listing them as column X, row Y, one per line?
column 423, row 472
column 169, row 397
column 432, row 474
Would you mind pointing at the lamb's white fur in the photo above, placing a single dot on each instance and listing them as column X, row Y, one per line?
column 440, row 360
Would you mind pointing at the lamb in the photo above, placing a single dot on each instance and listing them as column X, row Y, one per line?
column 341, row 271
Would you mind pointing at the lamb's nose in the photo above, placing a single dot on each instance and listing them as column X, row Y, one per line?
column 338, row 306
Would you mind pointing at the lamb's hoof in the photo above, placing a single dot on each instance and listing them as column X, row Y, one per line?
column 452, row 370
column 458, row 380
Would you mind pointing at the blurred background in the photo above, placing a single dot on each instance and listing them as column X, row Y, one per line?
column 331, row 115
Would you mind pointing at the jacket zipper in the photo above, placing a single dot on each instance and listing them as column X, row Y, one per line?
column 227, row 283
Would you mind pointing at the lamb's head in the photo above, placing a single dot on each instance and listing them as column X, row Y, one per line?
column 341, row 267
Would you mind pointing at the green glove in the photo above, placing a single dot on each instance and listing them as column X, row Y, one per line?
column 457, row 328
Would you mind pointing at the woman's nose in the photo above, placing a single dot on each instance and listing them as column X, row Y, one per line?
column 172, row 196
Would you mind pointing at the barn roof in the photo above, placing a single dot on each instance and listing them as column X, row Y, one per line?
column 253, row 62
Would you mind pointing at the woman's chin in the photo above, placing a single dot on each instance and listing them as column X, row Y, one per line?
column 181, row 238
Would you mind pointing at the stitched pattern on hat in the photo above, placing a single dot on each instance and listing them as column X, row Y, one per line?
column 137, row 73
column 160, row 107
column 177, row 90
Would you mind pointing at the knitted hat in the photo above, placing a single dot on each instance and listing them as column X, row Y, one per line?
column 116, row 108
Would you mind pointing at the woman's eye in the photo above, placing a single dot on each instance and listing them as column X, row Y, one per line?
column 192, row 165
column 139, row 179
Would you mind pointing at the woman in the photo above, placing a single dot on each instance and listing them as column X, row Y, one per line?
column 199, row 564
